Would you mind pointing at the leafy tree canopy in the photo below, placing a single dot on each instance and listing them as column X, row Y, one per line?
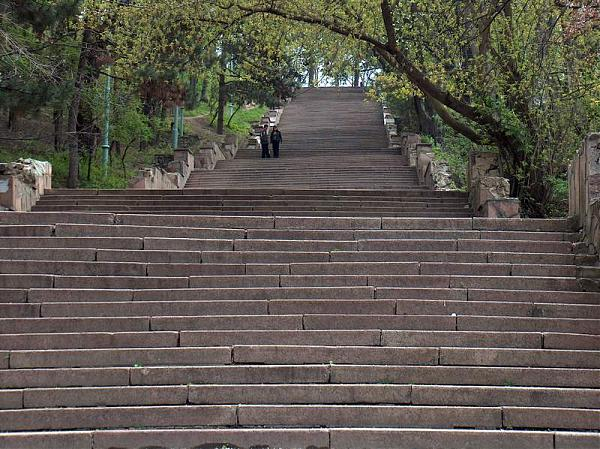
column 519, row 76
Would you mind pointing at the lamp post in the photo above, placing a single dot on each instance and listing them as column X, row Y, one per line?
column 181, row 123
column 175, row 130
column 106, row 130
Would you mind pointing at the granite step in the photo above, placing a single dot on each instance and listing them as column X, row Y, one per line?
column 77, row 293
column 250, row 193
column 494, row 295
column 130, row 275
column 459, row 439
column 324, row 204
column 281, row 355
column 26, row 231
column 299, row 394
column 453, row 375
column 116, row 417
column 74, row 230
column 297, row 416
column 418, row 417
column 233, row 212
column 308, row 223
column 73, row 242
column 163, row 308
column 448, row 323
column 90, row 340
column 385, row 394
column 294, row 374
column 202, row 338
column 126, row 357
column 245, row 191
column 335, row 438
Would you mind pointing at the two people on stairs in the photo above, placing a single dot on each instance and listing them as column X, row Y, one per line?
column 274, row 139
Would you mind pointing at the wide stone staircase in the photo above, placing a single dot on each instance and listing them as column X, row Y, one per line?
column 334, row 162
column 332, row 139
column 272, row 323
column 260, row 202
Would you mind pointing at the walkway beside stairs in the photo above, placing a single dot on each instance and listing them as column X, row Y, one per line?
column 321, row 300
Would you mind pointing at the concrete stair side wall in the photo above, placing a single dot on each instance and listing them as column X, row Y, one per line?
column 23, row 183
column 584, row 189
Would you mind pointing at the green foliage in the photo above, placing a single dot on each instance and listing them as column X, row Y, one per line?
column 456, row 155
column 203, row 109
column 242, row 121
column 36, row 52
column 528, row 70
column 558, row 203
column 121, row 169
column 115, row 178
column 520, row 76
column 59, row 160
column 130, row 125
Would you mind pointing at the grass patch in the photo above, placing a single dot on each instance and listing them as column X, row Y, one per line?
column 242, row 120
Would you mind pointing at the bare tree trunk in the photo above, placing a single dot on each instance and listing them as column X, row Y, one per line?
column 221, row 105
column 312, row 76
column 356, row 80
column 425, row 111
column 204, row 90
column 57, row 119
column 89, row 167
column 73, row 136
column 234, row 113
column 12, row 119
column 192, row 94
column 222, row 95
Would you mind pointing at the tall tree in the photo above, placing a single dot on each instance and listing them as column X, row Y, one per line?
column 521, row 76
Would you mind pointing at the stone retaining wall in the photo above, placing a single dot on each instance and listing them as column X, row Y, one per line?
column 22, row 183
column 173, row 177
column 432, row 173
column 584, row 189
column 489, row 191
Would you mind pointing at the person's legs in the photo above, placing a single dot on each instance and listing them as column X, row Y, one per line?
column 275, row 150
column 265, row 151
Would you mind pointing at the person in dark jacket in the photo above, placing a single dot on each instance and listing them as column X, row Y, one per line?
column 264, row 142
column 276, row 140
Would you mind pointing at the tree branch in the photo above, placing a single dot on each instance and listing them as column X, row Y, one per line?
column 418, row 78
column 394, row 57
column 388, row 21
column 456, row 125
column 334, row 25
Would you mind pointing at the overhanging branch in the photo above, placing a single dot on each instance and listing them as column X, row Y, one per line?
column 394, row 57
column 456, row 125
